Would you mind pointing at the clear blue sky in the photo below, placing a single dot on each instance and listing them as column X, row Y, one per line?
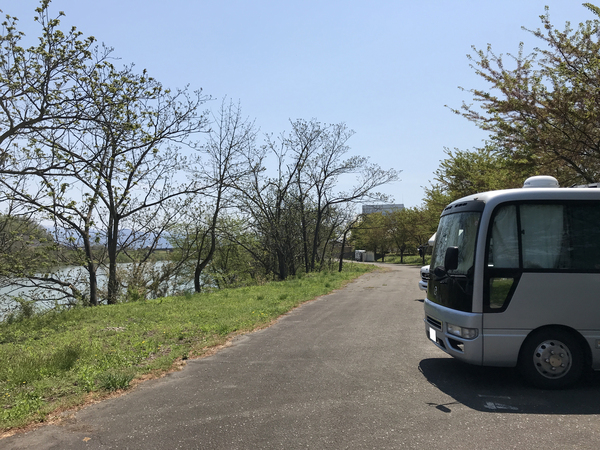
column 386, row 68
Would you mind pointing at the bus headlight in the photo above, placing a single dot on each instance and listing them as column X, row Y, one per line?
column 465, row 333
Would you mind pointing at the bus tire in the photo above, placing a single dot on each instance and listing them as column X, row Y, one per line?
column 551, row 358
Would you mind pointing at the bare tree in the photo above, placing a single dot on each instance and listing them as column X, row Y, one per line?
column 271, row 205
column 328, row 166
column 295, row 212
column 230, row 144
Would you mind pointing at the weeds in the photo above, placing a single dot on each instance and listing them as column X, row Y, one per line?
column 25, row 404
column 86, row 378
column 29, row 365
column 113, row 381
column 24, row 309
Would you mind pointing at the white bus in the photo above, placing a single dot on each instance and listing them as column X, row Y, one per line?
column 515, row 281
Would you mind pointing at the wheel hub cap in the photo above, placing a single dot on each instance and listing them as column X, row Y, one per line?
column 552, row 359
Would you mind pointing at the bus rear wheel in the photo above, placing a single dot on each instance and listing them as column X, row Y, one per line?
column 551, row 358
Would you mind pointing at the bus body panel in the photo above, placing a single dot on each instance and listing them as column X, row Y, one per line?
column 551, row 299
column 592, row 337
column 501, row 347
column 539, row 301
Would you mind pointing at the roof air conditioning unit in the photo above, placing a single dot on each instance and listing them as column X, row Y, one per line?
column 541, row 181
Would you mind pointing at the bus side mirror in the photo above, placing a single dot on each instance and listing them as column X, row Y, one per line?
column 451, row 259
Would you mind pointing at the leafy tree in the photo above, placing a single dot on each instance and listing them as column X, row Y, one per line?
column 436, row 199
column 115, row 165
column 25, row 246
column 468, row 172
column 372, row 233
column 544, row 110
column 465, row 173
column 421, row 224
column 400, row 233
column 39, row 85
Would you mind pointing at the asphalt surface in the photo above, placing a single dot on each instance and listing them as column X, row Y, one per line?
column 350, row 370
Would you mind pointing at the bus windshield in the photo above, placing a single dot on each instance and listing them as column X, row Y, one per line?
column 455, row 288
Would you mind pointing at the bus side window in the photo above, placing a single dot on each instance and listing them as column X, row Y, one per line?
column 542, row 235
column 584, row 238
column 503, row 257
column 504, row 243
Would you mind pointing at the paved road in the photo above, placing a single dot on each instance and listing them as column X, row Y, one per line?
column 351, row 370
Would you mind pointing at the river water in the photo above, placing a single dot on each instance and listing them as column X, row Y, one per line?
column 78, row 276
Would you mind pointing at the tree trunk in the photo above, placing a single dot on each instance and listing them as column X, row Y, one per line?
column 282, row 265
column 316, row 238
column 93, row 284
column 342, row 250
column 112, row 246
column 202, row 263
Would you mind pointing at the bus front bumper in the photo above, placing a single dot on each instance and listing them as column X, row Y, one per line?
column 455, row 332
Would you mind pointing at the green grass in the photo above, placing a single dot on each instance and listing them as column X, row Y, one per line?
column 413, row 260
column 61, row 360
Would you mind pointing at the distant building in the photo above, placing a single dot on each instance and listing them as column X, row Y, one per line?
column 369, row 209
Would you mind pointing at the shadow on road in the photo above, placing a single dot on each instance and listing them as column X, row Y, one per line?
column 493, row 389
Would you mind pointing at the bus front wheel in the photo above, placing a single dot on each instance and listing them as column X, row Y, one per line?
column 551, row 358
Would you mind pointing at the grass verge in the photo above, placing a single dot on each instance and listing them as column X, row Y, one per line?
column 413, row 260
column 59, row 361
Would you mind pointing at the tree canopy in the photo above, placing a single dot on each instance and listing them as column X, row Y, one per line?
column 543, row 108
